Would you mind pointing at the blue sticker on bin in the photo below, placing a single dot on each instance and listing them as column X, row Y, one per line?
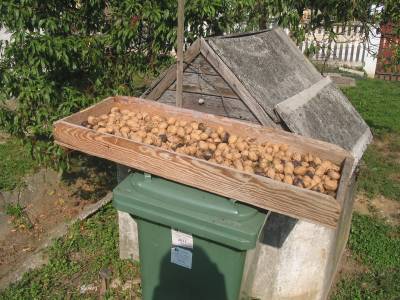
column 181, row 257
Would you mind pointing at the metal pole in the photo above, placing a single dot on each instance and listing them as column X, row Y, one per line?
column 179, row 64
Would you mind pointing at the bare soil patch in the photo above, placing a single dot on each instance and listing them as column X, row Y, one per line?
column 48, row 203
column 388, row 145
column 349, row 266
column 380, row 206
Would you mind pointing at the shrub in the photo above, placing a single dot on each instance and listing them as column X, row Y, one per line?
column 66, row 55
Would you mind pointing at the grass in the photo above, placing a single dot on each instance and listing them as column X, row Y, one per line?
column 14, row 210
column 15, row 163
column 378, row 102
column 380, row 175
column 376, row 245
column 76, row 260
column 373, row 243
column 18, row 216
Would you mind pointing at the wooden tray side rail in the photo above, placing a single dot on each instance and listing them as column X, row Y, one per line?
column 253, row 189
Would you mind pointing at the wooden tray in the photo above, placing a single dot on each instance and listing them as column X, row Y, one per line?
column 253, row 189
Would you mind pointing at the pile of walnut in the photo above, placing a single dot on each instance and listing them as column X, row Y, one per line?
column 216, row 145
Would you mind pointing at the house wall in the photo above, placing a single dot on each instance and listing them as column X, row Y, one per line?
column 387, row 69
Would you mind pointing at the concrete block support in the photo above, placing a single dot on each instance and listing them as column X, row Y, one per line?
column 128, row 234
column 128, row 237
column 292, row 258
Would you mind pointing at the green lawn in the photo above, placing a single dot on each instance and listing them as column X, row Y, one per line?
column 15, row 163
column 373, row 243
column 378, row 102
column 380, row 173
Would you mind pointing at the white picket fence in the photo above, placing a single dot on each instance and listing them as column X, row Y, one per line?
column 349, row 48
column 349, row 45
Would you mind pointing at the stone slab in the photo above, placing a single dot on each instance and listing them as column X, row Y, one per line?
column 323, row 112
column 342, row 81
column 268, row 64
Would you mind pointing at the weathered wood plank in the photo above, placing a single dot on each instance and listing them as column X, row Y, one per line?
column 347, row 171
column 323, row 112
column 235, row 84
column 201, row 65
column 205, row 84
column 268, row 64
column 341, row 235
column 249, row 188
column 253, row 189
column 231, row 107
column 167, row 78
column 300, row 99
column 179, row 54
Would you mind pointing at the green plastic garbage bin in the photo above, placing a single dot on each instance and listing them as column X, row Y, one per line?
column 192, row 244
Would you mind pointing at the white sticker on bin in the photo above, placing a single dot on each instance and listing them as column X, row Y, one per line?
column 181, row 239
column 181, row 257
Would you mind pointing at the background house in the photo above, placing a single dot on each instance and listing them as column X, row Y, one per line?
column 388, row 67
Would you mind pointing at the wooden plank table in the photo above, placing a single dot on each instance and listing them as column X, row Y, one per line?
column 249, row 188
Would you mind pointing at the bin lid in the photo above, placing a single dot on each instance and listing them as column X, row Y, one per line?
column 189, row 210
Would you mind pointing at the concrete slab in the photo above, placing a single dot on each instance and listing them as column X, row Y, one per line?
column 342, row 81
column 355, row 72
column 323, row 112
column 292, row 258
column 38, row 258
